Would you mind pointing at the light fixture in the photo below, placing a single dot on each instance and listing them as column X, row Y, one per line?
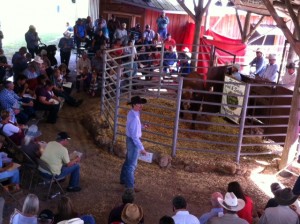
column 218, row 3
column 230, row 4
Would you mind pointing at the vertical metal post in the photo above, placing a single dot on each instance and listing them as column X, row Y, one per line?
column 103, row 83
column 161, row 68
column 117, row 105
column 242, row 122
column 176, row 121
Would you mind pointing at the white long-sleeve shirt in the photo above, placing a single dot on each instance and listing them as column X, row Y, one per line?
column 134, row 128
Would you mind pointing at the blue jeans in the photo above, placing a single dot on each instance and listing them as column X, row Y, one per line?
column 130, row 164
column 163, row 32
column 65, row 171
column 13, row 175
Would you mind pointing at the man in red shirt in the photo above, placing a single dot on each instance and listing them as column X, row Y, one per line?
column 170, row 42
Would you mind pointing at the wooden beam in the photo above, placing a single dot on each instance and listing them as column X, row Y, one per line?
column 281, row 24
column 254, row 28
column 239, row 22
column 294, row 19
column 188, row 11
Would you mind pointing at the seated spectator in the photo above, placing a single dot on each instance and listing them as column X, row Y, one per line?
column 93, row 84
column 148, row 35
column 216, row 211
column 57, row 156
column 85, row 78
column 46, row 100
column 231, row 205
column 248, row 211
column 283, row 213
column 59, row 91
column 16, row 117
column 170, row 58
column 15, row 133
column 65, row 210
column 272, row 202
column 98, row 41
column 29, row 211
column 132, row 213
column 182, row 215
column 115, row 214
column 19, row 61
column 46, row 217
column 121, row 34
column 84, row 61
column 13, row 175
column 135, row 33
column 21, row 87
column 170, row 42
column 185, row 62
column 166, row 220
column 236, row 72
column 289, row 79
column 31, row 145
column 3, row 65
column 97, row 62
column 8, row 98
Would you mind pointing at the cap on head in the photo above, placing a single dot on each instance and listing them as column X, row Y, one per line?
column 63, row 136
column 291, row 66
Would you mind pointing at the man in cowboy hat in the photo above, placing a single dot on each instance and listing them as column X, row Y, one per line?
column 231, row 205
column 289, row 79
column 132, row 214
column 258, row 62
column 271, row 71
column 133, row 143
column 282, row 213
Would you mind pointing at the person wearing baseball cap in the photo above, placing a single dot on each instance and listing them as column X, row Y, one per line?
column 258, row 62
column 57, row 156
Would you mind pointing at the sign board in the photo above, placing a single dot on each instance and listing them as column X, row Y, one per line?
column 231, row 88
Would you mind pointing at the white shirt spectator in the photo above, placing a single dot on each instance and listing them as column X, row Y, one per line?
column 184, row 217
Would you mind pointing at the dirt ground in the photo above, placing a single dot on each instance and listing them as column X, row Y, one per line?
column 100, row 170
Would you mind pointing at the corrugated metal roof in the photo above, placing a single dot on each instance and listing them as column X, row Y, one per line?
column 158, row 5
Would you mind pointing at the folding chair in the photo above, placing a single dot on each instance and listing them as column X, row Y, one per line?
column 10, row 194
column 28, row 166
column 49, row 177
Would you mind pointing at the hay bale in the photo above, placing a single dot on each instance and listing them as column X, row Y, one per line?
column 120, row 150
column 226, row 168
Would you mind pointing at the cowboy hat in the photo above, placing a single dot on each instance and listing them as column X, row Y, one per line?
column 132, row 214
column 137, row 100
column 231, row 202
column 38, row 59
column 272, row 56
column 258, row 50
column 33, row 131
column 237, row 66
column 285, row 196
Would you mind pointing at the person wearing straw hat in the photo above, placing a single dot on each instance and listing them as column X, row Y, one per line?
column 132, row 214
column 271, row 71
column 282, row 213
column 231, row 205
column 258, row 62
column 133, row 143
column 236, row 72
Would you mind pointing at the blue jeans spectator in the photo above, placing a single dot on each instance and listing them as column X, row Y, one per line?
column 74, row 171
column 130, row 164
column 163, row 33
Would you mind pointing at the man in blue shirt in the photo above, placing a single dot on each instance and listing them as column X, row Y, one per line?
column 259, row 63
column 162, row 23
column 216, row 211
column 271, row 71
column 133, row 143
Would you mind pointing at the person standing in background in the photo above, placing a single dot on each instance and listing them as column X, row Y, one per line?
column 32, row 40
column 162, row 24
